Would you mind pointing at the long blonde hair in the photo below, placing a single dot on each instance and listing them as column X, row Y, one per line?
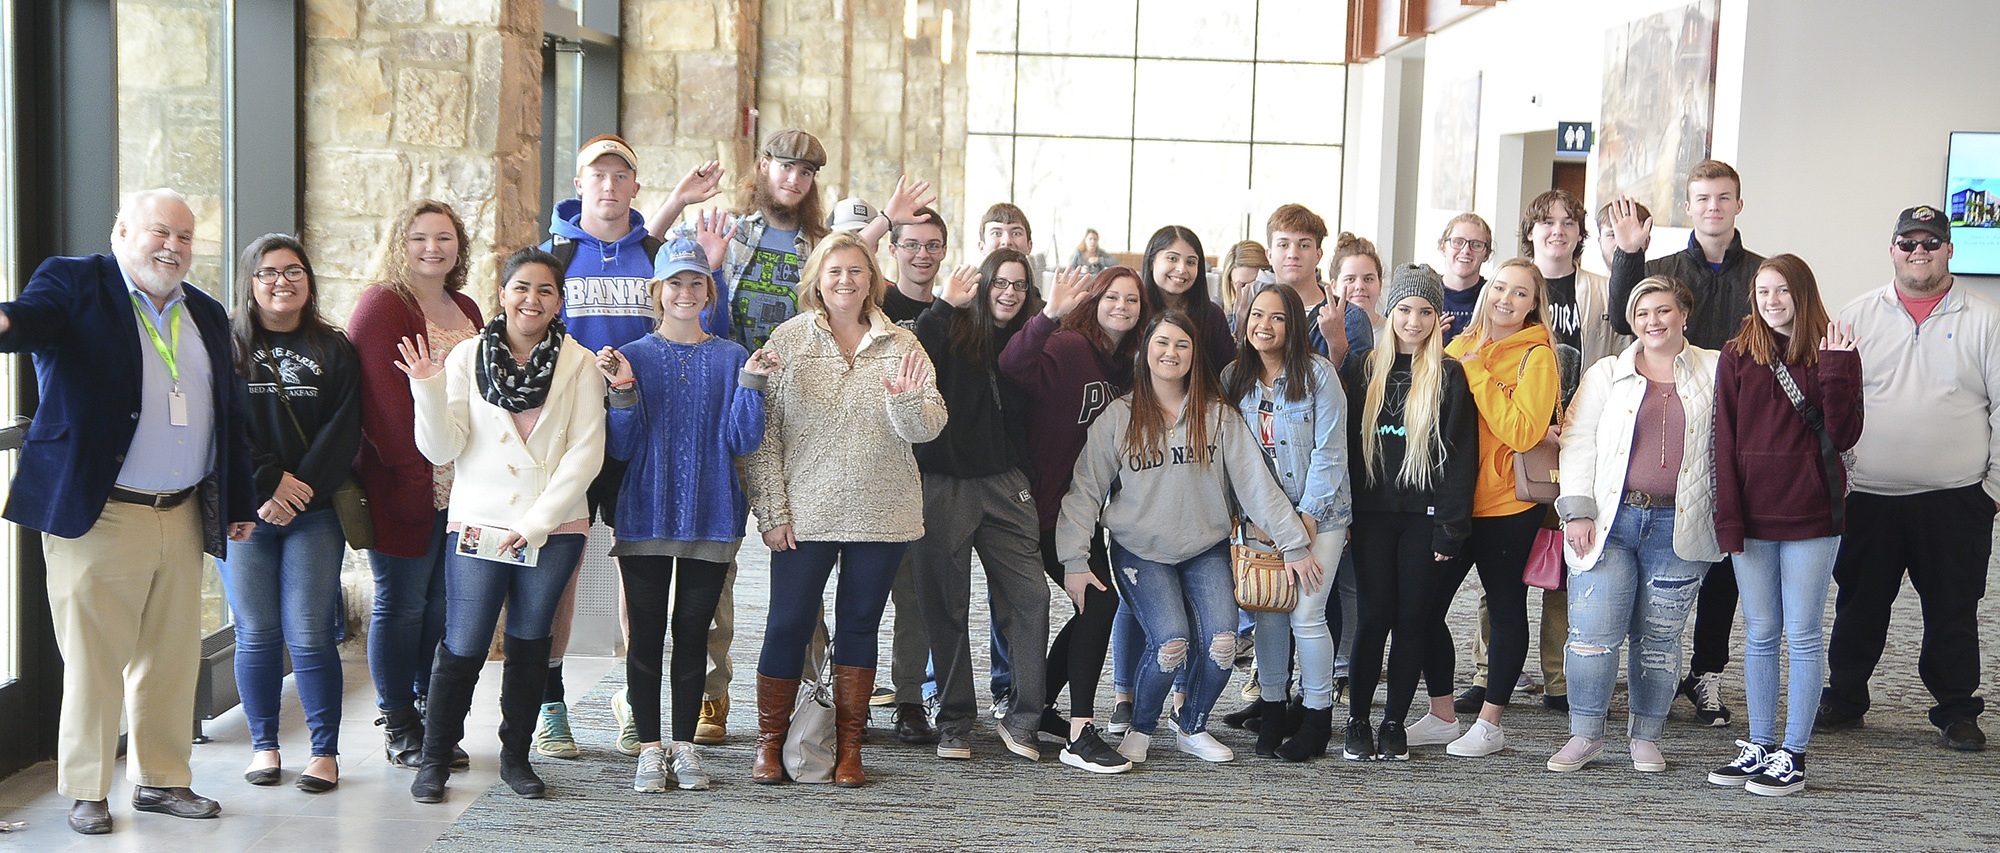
column 1481, row 327
column 1420, row 408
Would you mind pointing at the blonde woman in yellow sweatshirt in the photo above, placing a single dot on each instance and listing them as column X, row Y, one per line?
column 1511, row 367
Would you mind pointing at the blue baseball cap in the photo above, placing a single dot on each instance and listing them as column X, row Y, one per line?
column 681, row 255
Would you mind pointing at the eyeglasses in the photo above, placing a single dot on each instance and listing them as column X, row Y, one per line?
column 1011, row 284
column 913, row 247
column 1930, row 244
column 1462, row 243
column 293, row 273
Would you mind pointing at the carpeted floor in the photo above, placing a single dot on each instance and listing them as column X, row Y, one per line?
column 1888, row 784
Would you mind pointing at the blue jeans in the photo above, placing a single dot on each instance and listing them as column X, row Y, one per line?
column 407, row 621
column 798, row 585
column 1783, row 587
column 1306, row 625
column 475, row 589
column 1606, row 607
column 284, row 589
column 1175, row 603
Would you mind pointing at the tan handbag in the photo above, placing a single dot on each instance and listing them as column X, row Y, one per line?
column 1538, row 472
column 1262, row 584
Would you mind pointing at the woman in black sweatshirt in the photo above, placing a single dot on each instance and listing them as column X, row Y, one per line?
column 305, row 426
column 1412, row 503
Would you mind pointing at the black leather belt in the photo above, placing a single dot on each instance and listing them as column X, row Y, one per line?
column 1646, row 500
column 168, row 500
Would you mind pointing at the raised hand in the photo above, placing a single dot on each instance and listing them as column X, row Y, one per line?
column 701, row 183
column 1632, row 232
column 1333, row 327
column 1839, row 337
column 712, row 230
column 910, row 375
column 613, row 365
column 963, row 285
column 1069, row 288
column 418, row 361
column 911, row 195
column 763, row 362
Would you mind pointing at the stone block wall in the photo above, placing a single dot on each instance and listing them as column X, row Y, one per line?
column 407, row 99
column 170, row 75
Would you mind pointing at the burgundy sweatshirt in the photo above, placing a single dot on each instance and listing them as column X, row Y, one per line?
column 1769, row 483
column 1068, row 383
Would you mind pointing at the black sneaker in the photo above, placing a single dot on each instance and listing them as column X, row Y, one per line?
column 1965, row 736
column 1121, row 718
column 1784, row 773
column 1088, row 751
column 1705, row 692
column 1750, row 761
column 1360, row 744
column 1470, row 701
column 1250, row 717
column 1557, row 702
column 1391, row 743
column 1832, row 719
column 1054, row 726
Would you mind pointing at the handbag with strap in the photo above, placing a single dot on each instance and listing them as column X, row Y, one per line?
column 809, row 744
column 1545, row 561
column 1538, row 470
column 1833, row 463
column 350, row 501
column 1262, row 584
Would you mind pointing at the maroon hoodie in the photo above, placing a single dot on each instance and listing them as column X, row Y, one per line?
column 1068, row 383
column 1769, row 483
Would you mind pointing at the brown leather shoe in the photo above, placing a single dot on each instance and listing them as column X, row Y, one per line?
column 776, row 698
column 851, row 688
column 90, row 817
column 179, row 802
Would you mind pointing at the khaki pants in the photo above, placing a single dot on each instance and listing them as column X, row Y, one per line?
column 126, row 601
column 1549, row 645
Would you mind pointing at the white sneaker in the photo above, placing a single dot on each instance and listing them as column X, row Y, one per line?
column 1204, row 746
column 1431, row 731
column 1481, row 740
column 1134, row 746
column 687, row 771
column 652, row 775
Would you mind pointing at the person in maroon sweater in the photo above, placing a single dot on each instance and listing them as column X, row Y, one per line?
column 1071, row 364
column 417, row 294
column 1779, row 488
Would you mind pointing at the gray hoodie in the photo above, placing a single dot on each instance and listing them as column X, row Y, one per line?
column 1170, row 508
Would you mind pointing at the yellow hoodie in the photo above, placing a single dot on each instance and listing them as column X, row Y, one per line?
column 1514, row 385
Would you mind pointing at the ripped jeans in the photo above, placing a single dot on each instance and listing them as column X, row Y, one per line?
column 1188, row 613
column 1641, row 591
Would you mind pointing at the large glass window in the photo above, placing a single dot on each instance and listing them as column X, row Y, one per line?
column 1124, row 116
column 10, row 601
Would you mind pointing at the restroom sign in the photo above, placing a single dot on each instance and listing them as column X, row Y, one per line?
column 1573, row 137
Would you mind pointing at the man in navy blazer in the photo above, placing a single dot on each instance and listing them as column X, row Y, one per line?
column 137, row 462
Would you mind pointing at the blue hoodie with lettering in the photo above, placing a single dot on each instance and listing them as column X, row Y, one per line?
column 607, row 301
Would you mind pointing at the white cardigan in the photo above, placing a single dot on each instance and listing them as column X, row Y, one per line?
column 1597, row 446
column 528, row 486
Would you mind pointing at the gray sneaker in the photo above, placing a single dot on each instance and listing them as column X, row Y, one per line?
column 954, row 744
column 652, row 776
column 687, row 768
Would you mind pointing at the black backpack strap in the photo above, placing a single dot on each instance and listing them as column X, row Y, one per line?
column 564, row 249
column 651, row 244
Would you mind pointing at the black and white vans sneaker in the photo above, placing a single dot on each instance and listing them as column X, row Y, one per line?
column 1704, row 691
column 1088, row 751
column 1784, row 773
column 1749, row 762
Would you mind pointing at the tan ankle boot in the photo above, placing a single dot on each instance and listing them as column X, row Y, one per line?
column 776, row 698
column 852, row 686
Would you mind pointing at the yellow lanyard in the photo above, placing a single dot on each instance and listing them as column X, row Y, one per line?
column 174, row 330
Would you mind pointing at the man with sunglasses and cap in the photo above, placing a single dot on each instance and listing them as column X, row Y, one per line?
column 1925, row 481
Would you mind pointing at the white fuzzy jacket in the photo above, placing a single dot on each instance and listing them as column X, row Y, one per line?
column 530, row 487
column 836, row 463
column 1597, row 447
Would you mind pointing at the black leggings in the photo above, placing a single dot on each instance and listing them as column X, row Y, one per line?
column 1392, row 570
column 1076, row 657
column 1499, row 546
column 693, row 586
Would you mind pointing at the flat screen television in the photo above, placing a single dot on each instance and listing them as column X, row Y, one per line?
column 1972, row 199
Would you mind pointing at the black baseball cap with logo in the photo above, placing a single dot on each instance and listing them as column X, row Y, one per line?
column 1925, row 218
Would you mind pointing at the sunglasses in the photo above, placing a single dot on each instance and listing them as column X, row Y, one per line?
column 1930, row 244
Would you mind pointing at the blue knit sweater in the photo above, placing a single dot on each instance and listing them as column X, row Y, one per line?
column 682, row 440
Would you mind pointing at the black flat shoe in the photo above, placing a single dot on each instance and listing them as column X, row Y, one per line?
column 263, row 775
column 315, row 785
column 179, row 802
column 90, row 817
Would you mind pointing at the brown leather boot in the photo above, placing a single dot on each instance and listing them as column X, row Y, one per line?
column 851, row 688
column 776, row 699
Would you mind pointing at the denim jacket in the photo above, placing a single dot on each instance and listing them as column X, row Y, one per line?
column 1312, row 445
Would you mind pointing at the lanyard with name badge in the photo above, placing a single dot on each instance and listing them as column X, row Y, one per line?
column 177, row 405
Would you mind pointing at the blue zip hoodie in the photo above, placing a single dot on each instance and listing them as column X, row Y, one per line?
column 607, row 301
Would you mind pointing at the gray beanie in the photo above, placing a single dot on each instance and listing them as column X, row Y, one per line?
column 1410, row 280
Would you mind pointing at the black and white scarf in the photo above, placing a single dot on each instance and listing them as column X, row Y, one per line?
column 511, row 386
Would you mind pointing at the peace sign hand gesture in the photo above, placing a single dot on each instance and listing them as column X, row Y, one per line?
column 963, row 285
column 910, row 375
column 1070, row 288
column 418, row 360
